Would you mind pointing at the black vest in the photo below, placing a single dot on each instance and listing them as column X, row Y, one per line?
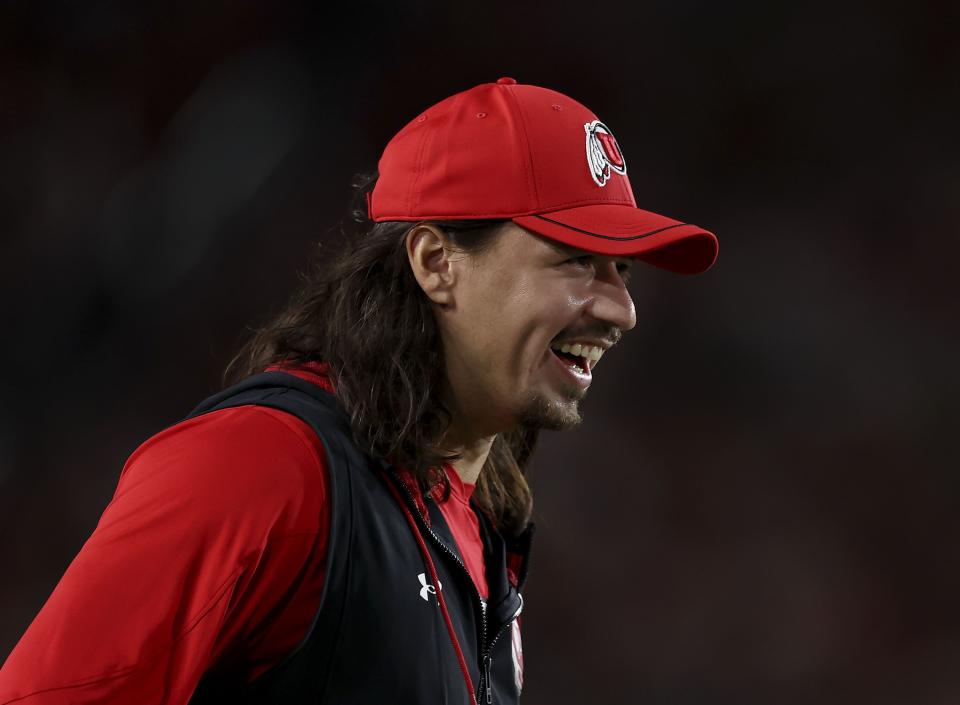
column 378, row 635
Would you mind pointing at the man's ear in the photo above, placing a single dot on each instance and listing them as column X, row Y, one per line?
column 430, row 256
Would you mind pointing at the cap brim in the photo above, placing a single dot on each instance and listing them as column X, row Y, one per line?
column 625, row 231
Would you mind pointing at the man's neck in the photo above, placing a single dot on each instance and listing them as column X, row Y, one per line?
column 474, row 456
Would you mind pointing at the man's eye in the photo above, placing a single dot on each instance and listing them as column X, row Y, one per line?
column 624, row 269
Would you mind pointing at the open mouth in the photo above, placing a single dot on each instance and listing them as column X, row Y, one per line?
column 578, row 362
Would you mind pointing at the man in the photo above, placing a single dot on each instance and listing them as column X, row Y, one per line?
column 350, row 522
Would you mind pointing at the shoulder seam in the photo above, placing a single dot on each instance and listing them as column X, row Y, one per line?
column 282, row 419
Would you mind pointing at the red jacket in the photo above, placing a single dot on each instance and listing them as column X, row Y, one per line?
column 211, row 551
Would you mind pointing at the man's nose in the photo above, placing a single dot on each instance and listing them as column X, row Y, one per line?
column 611, row 301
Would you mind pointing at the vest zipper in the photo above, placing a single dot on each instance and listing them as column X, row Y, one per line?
column 486, row 678
column 486, row 685
column 488, row 659
column 485, row 673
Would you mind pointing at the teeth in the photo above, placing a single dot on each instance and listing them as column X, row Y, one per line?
column 592, row 353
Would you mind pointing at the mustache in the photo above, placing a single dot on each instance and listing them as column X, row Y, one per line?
column 609, row 336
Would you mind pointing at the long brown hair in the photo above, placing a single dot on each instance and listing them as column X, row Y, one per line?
column 362, row 311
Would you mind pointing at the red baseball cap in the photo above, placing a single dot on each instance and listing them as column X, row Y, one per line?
column 537, row 157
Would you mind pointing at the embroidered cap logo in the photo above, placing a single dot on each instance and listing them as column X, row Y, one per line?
column 603, row 153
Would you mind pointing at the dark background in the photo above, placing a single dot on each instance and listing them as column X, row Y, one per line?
column 762, row 503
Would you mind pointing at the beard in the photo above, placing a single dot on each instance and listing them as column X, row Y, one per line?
column 557, row 412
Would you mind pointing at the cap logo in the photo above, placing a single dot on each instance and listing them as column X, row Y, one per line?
column 603, row 153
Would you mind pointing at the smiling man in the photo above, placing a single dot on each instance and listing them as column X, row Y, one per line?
column 349, row 522
column 499, row 315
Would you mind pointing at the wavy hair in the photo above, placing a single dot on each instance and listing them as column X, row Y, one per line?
column 363, row 312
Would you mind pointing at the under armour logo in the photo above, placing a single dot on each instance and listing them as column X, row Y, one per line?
column 427, row 588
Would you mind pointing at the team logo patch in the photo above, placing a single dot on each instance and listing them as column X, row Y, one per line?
column 517, row 650
column 603, row 153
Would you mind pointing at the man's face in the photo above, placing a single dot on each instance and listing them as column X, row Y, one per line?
column 511, row 303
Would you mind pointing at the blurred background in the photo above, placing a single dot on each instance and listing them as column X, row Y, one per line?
column 763, row 503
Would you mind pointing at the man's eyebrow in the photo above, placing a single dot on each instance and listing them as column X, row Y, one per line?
column 565, row 249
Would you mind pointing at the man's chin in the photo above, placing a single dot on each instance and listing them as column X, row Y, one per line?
column 551, row 414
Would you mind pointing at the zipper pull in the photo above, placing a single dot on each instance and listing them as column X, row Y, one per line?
column 486, row 675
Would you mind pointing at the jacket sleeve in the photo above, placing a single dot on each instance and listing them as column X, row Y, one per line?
column 205, row 540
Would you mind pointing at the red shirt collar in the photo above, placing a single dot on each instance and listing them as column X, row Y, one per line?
column 316, row 372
